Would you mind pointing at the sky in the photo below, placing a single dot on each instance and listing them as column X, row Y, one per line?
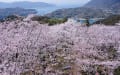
column 57, row 2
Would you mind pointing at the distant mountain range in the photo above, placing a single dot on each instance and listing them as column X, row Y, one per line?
column 25, row 4
column 104, row 4
column 15, row 11
column 93, row 9
column 80, row 12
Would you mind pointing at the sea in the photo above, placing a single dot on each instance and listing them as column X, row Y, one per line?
column 46, row 10
column 91, row 21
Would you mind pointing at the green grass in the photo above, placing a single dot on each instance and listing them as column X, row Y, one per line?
column 49, row 21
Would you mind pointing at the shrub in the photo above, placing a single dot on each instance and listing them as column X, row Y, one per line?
column 111, row 20
column 49, row 21
column 117, row 71
column 11, row 18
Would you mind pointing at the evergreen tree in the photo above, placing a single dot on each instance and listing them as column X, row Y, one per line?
column 87, row 22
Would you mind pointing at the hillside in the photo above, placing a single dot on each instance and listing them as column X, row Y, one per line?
column 15, row 11
column 80, row 12
column 93, row 9
column 111, row 20
column 102, row 3
column 30, row 48
column 113, row 5
column 24, row 4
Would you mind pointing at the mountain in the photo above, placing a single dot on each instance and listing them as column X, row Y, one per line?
column 15, row 11
column 93, row 9
column 24, row 4
column 103, row 4
column 80, row 12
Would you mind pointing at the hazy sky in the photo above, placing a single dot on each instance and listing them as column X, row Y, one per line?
column 52, row 1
